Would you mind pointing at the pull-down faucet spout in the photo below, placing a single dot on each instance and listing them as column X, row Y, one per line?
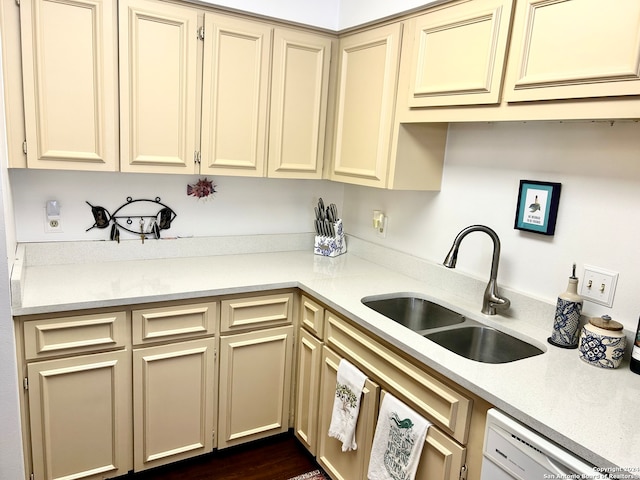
column 491, row 300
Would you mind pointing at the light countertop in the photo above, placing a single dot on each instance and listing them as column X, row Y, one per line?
column 591, row 411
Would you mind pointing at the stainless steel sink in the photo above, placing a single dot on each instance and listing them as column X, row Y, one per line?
column 452, row 330
column 414, row 313
column 483, row 344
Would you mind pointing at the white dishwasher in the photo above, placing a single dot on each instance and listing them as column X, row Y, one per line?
column 513, row 451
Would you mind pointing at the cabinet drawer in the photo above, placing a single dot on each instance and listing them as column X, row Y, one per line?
column 258, row 311
column 73, row 335
column 444, row 406
column 312, row 316
column 173, row 322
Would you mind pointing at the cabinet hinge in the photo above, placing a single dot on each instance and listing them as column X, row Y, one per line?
column 201, row 33
column 24, row 144
column 25, row 383
column 32, row 476
column 196, row 157
column 18, row 3
column 463, row 472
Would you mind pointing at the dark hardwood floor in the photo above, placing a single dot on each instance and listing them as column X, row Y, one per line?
column 277, row 458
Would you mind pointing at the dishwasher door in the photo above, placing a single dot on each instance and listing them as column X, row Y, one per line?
column 513, row 451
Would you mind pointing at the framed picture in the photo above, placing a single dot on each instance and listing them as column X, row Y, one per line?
column 537, row 206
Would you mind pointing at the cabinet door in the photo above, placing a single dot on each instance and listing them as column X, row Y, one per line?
column 158, row 66
column 365, row 105
column 459, row 54
column 574, row 49
column 255, row 385
column 69, row 51
column 341, row 465
column 235, row 93
column 299, row 88
column 308, row 390
column 173, row 395
column 80, row 416
column 441, row 457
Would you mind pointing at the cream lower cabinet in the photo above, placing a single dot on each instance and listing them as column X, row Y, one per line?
column 458, row 421
column 309, row 364
column 80, row 416
column 256, row 359
column 174, row 384
column 77, row 405
column 255, row 385
column 173, row 395
column 341, row 465
column 309, row 350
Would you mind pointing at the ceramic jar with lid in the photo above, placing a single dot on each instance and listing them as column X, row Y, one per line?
column 602, row 342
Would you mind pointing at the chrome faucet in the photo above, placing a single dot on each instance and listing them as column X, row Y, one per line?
column 491, row 300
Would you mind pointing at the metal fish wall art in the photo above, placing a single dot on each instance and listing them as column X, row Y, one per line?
column 146, row 219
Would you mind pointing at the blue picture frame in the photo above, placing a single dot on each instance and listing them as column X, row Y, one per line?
column 537, row 208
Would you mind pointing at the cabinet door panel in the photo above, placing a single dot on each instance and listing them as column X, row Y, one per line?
column 158, row 55
column 308, row 388
column 80, row 414
column 235, row 96
column 341, row 465
column 69, row 73
column 255, row 385
column 574, row 49
column 459, row 53
column 366, row 100
column 173, row 402
column 441, row 458
column 300, row 84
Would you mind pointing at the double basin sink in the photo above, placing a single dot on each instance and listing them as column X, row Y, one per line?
column 452, row 330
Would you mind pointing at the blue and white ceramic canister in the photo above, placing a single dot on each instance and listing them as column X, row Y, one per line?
column 602, row 342
column 566, row 321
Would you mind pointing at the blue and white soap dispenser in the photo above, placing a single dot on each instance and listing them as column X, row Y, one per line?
column 566, row 322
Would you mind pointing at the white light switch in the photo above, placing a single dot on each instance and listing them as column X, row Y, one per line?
column 599, row 285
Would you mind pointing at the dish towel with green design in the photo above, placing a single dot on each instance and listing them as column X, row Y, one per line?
column 398, row 441
column 346, row 405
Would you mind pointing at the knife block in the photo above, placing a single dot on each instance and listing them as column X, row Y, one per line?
column 331, row 246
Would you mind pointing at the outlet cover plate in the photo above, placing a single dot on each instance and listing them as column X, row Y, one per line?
column 599, row 285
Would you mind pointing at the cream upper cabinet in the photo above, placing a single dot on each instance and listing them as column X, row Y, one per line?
column 298, row 113
column 574, row 49
column 366, row 95
column 158, row 85
column 458, row 54
column 235, row 96
column 69, row 54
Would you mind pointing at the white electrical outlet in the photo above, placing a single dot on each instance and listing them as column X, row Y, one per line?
column 52, row 224
column 599, row 285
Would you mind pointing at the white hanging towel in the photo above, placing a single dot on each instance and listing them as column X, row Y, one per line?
column 398, row 441
column 346, row 405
